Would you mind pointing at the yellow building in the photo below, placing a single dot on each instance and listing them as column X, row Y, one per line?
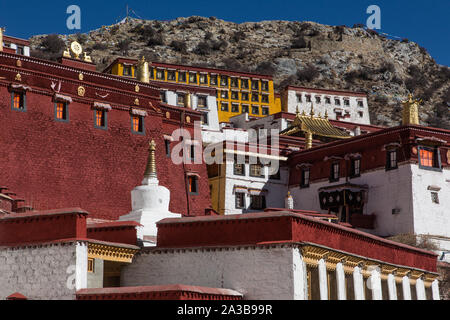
column 237, row 92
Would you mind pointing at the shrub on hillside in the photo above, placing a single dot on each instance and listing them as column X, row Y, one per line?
column 203, row 48
column 53, row 44
column 308, row 73
column 299, row 42
column 179, row 46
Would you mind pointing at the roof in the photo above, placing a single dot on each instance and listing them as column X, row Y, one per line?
column 262, row 227
column 161, row 292
column 33, row 214
column 15, row 40
column 316, row 125
column 327, row 91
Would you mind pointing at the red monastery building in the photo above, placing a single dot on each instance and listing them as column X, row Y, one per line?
column 74, row 137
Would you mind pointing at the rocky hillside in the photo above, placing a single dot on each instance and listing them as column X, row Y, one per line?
column 301, row 53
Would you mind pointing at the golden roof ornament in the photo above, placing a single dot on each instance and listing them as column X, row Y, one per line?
column 326, row 114
column 66, row 53
column 87, row 58
column 76, row 49
column 411, row 110
column 312, row 114
column 150, row 171
column 143, row 71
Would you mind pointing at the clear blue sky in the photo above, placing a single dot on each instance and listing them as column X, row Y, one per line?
column 423, row 21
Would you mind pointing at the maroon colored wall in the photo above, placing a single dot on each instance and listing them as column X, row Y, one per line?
column 119, row 232
column 57, row 165
column 42, row 227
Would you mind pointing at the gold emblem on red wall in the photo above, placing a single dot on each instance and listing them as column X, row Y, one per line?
column 19, row 63
column 136, row 102
column 168, row 115
column 81, row 91
column 137, row 88
column 414, row 150
column 188, row 119
column 18, row 77
column 81, row 76
column 448, row 156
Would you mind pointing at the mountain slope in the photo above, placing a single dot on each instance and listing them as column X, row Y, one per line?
column 301, row 53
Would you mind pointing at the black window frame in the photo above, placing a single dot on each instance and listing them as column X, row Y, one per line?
column 332, row 172
column 195, row 180
column 245, row 108
column 24, row 101
column 265, row 111
column 235, row 164
column 305, row 183
column 437, row 165
column 141, row 131
column 261, row 174
column 389, row 160
column 129, row 68
column 171, row 72
column 105, row 119
column 236, row 200
column 263, row 202
column 353, row 173
column 167, row 146
column 66, row 111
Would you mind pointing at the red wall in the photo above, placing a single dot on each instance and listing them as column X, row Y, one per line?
column 114, row 232
column 57, row 165
column 42, row 227
column 275, row 227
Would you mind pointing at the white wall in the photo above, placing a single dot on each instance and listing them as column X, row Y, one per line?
column 43, row 272
column 321, row 107
column 276, row 189
column 258, row 273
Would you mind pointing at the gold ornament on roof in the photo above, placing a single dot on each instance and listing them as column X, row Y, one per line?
column 81, row 76
column 81, row 91
column 87, row 58
column 411, row 110
column 137, row 89
column 150, row 171
column 66, row 54
column 76, row 49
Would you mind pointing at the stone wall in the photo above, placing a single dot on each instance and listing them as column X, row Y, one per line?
column 43, row 272
column 260, row 273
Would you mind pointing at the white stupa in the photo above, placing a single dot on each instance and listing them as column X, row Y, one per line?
column 149, row 202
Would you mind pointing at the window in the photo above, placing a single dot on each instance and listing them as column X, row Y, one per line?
column 258, row 202
column 255, row 109
column 256, row 170
column 213, row 80
column 335, row 172
column 203, row 78
column 305, row 178
column 265, row 85
column 391, row 161
column 223, row 81
column 180, row 100
column 235, row 107
column 240, row 200
column 100, row 119
column 255, row 97
column 171, row 76
column 181, row 76
column 193, row 185
column 20, row 50
column 245, row 108
column 360, row 103
column 162, row 96
column 234, row 82
column 265, row 98
column 201, row 102
column 224, row 94
column 346, row 102
column 244, row 84
column 91, row 265
column 318, row 100
column 152, row 73
column 137, row 124
column 160, row 74
column 361, row 114
column 235, row 95
column 205, row 118
column 337, row 102
column 429, row 158
column 356, row 167
column 192, row 152
column 167, row 145
column 18, row 101
column 308, row 98
column 127, row 71
column 255, row 85
column 192, row 77
column 61, row 112
column 265, row 111
column 244, row 96
column 327, row 100
column 239, row 168
column 435, row 197
column 299, row 98
column 224, row 106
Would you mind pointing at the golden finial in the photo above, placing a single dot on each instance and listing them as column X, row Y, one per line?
column 150, row 171
column 297, row 111
column 312, row 111
column 320, row 114
column 326, row 114
column 143, row 71
column 303, row 113
column 411, row 110
column 308, row 140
